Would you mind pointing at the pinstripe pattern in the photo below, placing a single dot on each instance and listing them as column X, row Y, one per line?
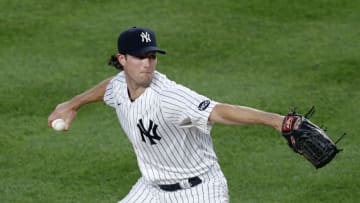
column 183, row 146
column 141, row 192
column 212, row 190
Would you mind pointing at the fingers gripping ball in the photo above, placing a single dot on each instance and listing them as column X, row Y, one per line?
column 58, row 124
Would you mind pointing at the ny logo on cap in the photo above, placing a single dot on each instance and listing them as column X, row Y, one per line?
column 145, row 37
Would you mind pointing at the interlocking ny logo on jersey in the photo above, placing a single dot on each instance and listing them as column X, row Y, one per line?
column 145, row 37
column 150, row 132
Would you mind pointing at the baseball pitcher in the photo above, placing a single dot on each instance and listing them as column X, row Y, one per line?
column 169, row 126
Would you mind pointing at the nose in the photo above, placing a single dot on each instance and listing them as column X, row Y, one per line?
column 147, row 62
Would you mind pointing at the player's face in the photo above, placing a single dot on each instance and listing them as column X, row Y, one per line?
column 139, row 70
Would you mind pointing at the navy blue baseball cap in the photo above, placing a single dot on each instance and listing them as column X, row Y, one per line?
column 138, row 41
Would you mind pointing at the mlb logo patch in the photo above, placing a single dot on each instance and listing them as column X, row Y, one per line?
column 203, row 105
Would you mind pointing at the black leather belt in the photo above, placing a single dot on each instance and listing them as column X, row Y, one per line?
column 178, row 186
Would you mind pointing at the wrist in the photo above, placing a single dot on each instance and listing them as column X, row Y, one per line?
column 278, row 124
column 76, row 102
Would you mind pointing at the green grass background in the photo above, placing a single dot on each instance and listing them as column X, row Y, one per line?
column 271, row 55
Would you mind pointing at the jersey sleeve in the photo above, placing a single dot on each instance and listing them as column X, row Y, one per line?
column 112, row 89
column 187, row 108
column 109, row 96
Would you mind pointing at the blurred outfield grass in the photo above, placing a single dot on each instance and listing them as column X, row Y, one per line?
column 272, row 55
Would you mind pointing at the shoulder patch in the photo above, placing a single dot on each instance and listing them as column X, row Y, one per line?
column 203, row 105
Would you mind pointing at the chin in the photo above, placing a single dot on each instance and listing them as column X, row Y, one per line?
column 145, row 83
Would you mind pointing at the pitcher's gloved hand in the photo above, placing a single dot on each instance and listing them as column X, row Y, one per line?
column 309, row 140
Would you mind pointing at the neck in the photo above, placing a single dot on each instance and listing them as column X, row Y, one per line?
column 136, row 89
column 135, row 93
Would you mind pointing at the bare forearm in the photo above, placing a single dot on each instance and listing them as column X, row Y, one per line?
column 240, row 115
column 68, row 109
column 94, row 94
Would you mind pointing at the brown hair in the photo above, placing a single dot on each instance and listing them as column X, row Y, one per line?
column 113, row 61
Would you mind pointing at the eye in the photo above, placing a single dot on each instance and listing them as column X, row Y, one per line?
column 140, row 57
column 149, row 56
column 152, row 56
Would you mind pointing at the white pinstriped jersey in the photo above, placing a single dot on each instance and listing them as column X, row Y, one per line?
column 167, row 126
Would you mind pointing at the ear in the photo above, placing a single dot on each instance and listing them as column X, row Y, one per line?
column 122, row 59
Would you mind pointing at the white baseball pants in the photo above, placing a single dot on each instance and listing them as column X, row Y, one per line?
column 213, row 189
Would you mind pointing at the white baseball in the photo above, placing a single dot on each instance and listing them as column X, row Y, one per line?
column 58, row 124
